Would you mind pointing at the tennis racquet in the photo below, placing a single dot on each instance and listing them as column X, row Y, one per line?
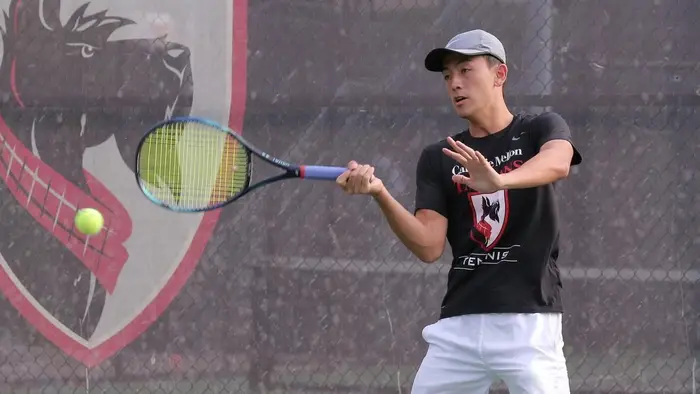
column 191, row 164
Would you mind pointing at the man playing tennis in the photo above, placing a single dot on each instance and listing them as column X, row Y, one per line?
column 489, row 191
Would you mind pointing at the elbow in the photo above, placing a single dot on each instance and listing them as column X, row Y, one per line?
column 562, row 172
column 429, row 255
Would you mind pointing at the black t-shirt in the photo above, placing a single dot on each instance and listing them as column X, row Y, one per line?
column 505, row 244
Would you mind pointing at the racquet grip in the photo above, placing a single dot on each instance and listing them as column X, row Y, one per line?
column 321, row 172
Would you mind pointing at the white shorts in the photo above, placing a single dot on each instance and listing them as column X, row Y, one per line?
column 467, row 354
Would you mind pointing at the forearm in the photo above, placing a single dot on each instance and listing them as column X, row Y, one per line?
column 410, row 231
column 540, row 170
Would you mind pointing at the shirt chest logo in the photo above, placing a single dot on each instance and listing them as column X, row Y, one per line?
column 490, row 217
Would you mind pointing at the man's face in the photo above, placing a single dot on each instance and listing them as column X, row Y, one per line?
column 472, row 83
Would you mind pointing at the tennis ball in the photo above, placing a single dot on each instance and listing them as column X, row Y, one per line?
column 89, row 221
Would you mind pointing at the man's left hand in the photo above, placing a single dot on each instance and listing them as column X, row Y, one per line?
column 482, row 177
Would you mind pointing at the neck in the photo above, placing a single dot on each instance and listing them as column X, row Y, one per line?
column 490, row 121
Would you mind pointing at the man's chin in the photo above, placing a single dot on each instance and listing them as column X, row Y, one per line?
column 463, row 112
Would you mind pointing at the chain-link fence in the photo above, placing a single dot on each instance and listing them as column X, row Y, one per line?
column 299, row 288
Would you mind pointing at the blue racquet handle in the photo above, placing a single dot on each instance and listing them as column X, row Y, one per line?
column 320, row 172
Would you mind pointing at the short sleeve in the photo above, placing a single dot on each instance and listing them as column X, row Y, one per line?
column 430, row 194
column 551, row 126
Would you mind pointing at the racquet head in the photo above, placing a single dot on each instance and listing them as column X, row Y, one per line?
column 192, row 165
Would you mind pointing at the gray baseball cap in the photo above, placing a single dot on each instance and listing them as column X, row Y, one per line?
column 472, row 42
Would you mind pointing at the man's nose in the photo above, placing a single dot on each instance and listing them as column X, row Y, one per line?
column 455, row 84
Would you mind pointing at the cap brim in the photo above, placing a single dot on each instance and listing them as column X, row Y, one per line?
column 435, row 60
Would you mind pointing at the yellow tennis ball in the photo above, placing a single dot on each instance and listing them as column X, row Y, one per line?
column 89, row 221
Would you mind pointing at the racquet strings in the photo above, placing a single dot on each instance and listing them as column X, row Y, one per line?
column 192, row 166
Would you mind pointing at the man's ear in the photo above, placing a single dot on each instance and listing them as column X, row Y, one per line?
column 501, row 74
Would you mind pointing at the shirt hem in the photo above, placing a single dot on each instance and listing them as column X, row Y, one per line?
column 514, row 310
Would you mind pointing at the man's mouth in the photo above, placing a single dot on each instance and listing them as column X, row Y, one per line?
column 459, row 99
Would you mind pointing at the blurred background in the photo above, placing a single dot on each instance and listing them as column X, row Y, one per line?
column 299, row 288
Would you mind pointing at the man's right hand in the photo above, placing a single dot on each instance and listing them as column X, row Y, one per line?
column 360, row 179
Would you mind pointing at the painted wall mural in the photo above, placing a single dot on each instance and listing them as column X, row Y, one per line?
column 81, row 83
